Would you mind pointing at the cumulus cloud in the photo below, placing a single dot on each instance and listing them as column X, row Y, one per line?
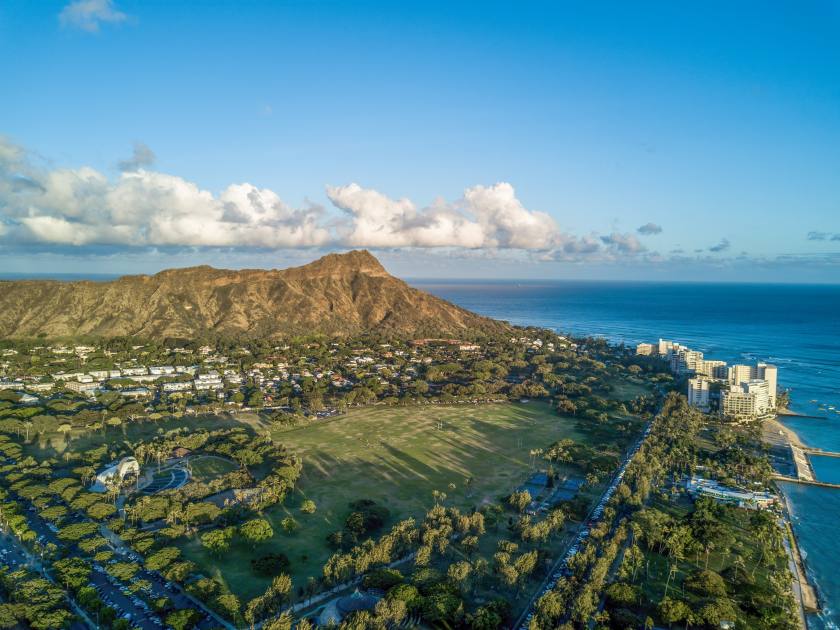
column 61, row 208
column 649, row 229
column 146, row 208
column 507, row 222
column 88, row 15
column 623, row 243
column 142, row 157
column 486, row 217
column 722, row 246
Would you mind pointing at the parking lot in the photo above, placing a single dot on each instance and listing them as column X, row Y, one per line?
column 113, row 593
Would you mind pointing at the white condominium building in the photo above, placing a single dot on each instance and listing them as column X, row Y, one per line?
column 686, row 361
column 739, row 374
column 769, row 373
column 664, row 347
column 713, row 369
column 698, row 392
column 748, row 399
column 644, row 349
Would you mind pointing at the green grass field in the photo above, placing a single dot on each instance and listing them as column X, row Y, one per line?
column 628, row 389
column 205, row 468
column 397, row 457
column 53, row 444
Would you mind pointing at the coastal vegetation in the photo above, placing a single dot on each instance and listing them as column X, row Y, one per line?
column 662, row 557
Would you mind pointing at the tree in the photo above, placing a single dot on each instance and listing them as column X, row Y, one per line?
column 256, row 530
column 717, row 610
column 674, row 610
column 420, row 387
column 520, row 500
column 279, row 590
column 622, row 593
column 289, row 525
column 270, row 565
column 281, row 622
column 469, row 544
column 458, row 573
column 706, row 582
column 162, row 558
column 308, row 506
column 65, row 429
column 182, row 619
column 217, row 541
column 72, row 572
column 392, row 611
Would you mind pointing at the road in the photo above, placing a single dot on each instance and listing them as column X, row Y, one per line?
column 582, row 531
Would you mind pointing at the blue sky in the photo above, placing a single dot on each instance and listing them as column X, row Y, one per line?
column 482, row 139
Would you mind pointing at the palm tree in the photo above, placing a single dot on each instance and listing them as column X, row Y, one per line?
column 112, row 488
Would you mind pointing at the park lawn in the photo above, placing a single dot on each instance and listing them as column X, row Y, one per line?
column 80, row 440
column 397, row 457
column 205, row 468
column 625, row 389
column 737, row 523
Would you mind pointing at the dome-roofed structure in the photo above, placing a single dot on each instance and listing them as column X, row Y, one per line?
column 338, row 609
column 356, row 601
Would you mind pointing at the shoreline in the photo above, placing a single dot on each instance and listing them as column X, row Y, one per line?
column 777, row 427
column 806, row 594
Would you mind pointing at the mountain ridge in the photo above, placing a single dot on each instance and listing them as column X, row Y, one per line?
column 337, row 294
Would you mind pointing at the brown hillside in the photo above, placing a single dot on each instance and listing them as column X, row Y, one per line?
column 338, row 294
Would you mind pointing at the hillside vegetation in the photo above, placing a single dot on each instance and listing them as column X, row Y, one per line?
column 338, row 294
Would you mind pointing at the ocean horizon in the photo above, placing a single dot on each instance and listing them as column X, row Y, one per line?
column 445, row 283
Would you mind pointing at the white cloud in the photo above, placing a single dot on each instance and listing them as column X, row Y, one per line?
column 141, row 207
column 376, row 220
column 89, row 14
column 623, row 243
column 145, row 208
column 507, row 222
column 486, row 217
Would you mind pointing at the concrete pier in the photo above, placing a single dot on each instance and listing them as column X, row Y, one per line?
column 804, row 471
column 820, row 452
column 821, row 484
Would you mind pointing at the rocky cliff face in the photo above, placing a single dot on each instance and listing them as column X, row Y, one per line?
column 338, row 294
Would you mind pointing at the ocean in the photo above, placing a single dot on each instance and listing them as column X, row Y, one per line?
column 796, row 327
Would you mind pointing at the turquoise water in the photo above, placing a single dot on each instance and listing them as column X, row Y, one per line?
column 826, row 468
column 796, row 327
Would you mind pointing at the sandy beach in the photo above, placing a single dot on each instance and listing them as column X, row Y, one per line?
column 777, row 434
